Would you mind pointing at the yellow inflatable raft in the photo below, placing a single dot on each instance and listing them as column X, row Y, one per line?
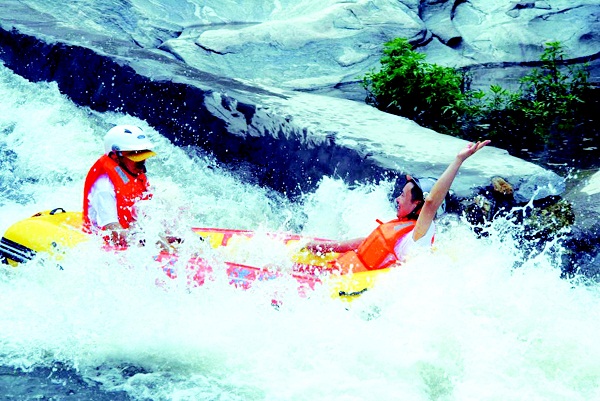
column 55, row 231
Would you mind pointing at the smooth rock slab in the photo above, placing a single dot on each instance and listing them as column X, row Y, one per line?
column 325, row 46
column 292, row 139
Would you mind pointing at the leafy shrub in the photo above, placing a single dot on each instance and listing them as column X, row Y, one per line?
column 549, row 105
column 552, row 97
column 408, row 86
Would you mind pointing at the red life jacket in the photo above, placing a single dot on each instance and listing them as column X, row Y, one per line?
column 377, row 250
column 128, row 190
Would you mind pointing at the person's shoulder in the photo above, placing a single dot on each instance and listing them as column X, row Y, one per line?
column 426, row 239
column 102, row 184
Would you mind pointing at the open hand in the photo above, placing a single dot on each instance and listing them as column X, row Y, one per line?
column 471, row 148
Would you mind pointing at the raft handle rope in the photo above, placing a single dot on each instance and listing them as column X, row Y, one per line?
column 352, row 294
column 58, row 209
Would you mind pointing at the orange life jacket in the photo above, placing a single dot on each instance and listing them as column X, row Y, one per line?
column 377, row 250
column 128, row 190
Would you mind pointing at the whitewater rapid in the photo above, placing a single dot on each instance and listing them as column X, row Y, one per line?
column 476, row 319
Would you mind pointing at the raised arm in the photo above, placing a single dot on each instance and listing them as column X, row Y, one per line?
column 435, row 198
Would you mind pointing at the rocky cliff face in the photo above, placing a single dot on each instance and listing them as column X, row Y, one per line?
column 324, row 46
column 174, row 65
column 334, row 42
column 105, row 61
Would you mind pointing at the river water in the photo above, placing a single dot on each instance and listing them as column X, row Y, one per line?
column 476, row 319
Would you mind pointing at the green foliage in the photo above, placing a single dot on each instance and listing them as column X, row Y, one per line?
column 408, row 86
column 551, row 97
column 548, row 105
column 546, row 109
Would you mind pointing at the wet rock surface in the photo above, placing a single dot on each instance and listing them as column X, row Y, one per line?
column 584, row 238
column 291, row 139
column 325, row 46
column 573, row 220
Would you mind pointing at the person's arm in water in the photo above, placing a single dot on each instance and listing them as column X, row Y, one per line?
column 440, row 189
column 117, row 235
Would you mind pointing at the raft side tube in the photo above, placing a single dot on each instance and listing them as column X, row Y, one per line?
column 48, row 231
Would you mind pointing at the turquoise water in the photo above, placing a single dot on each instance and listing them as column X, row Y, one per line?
column 460, row 323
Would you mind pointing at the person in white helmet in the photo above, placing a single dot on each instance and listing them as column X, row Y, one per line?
column 390, row 242
column 116, row 182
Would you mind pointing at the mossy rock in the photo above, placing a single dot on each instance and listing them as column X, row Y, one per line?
column 550, row 220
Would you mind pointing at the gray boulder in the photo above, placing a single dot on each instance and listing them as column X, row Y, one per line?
column 325, row 46
column 501, row 41
column 584, row 238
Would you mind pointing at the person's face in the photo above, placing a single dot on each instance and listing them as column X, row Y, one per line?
column 136, row 168
column 404, row 202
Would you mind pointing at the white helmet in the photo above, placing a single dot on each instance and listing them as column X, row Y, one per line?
column 125, row 138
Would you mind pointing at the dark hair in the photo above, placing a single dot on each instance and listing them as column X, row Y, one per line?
column 416, row 194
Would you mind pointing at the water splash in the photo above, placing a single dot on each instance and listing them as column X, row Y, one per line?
column 478, row 318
